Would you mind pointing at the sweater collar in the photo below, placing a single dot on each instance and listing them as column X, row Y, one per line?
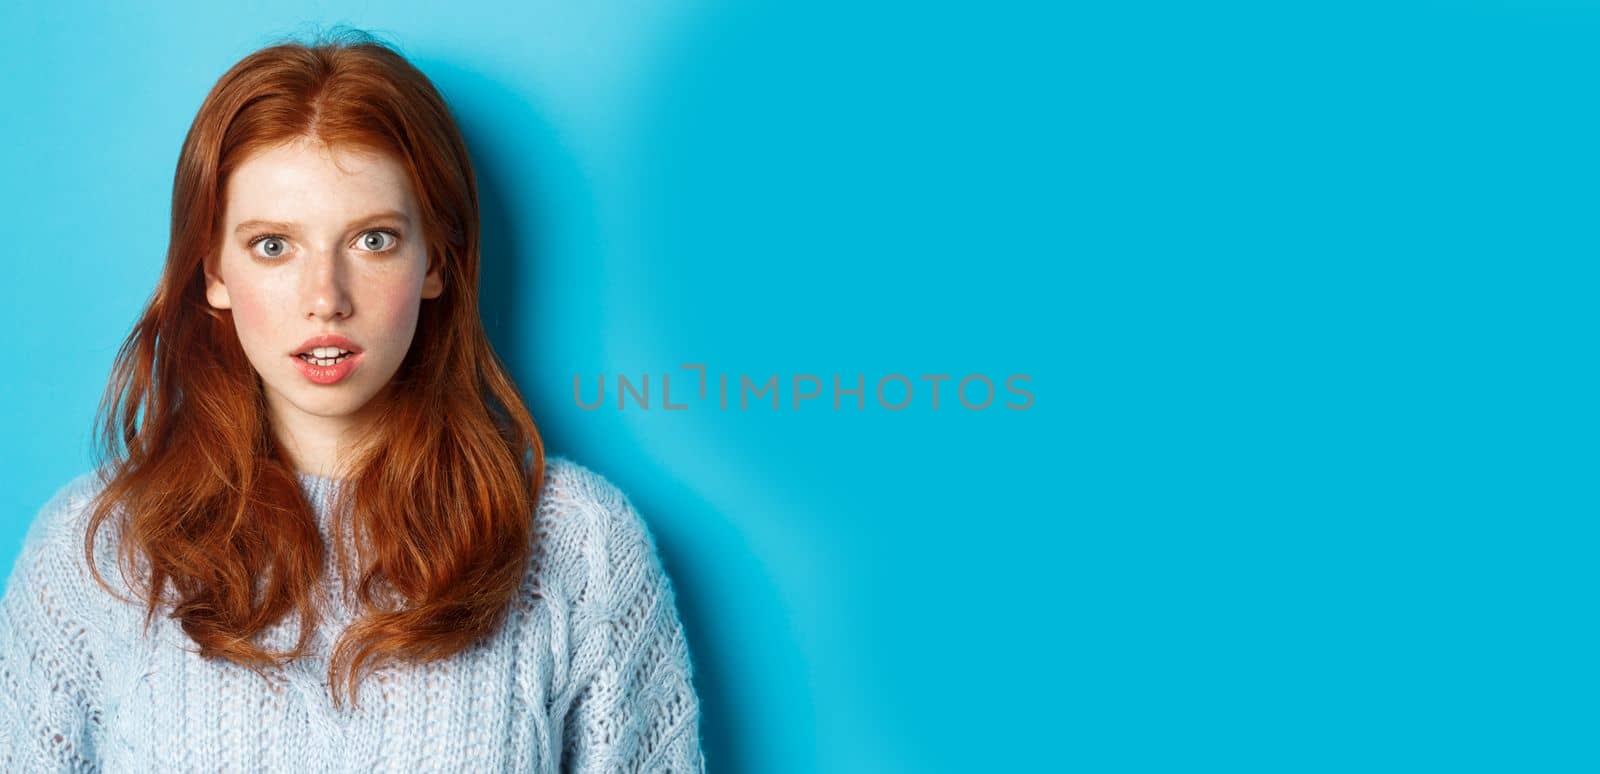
column 319, row 492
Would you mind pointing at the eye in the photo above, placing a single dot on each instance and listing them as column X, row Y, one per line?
column 379, row 241
column 273, row 245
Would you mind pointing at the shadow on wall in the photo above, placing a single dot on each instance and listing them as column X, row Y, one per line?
column 541, row 315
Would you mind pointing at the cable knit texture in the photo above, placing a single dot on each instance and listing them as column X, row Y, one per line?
column 591, row 672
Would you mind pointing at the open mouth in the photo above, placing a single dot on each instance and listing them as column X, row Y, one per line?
column 328, row 365
column 327, row 358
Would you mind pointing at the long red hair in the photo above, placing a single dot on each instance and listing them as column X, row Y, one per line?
column 443, row 487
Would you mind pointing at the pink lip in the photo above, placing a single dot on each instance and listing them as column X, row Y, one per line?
column 333, row 374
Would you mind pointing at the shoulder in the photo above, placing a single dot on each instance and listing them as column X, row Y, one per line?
column 581, row 499
column 61, row 521
column 50, row 579
column 591, row 534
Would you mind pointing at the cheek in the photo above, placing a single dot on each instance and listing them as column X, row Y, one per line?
column 394, row 297
column 252, row 317
column 396, row 314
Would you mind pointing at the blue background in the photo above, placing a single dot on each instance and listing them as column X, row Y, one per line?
column 1306, row 295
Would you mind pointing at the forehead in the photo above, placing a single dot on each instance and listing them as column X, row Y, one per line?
column 306, row 181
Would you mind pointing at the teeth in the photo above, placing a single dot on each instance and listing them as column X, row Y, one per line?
column 324, row 361
column 327, row 352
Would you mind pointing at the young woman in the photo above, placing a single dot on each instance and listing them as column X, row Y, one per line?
column 337, row 543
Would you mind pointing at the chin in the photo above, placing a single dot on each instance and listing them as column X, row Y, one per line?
column 333, row 406
column 323, row 401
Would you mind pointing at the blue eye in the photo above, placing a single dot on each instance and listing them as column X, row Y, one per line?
column 374, row 241
column 275, row 245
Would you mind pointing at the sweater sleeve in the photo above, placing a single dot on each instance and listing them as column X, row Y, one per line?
column 49, row 676
column 638, row 711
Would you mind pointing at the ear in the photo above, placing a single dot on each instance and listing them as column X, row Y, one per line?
column 432, row 285
column 216, row 292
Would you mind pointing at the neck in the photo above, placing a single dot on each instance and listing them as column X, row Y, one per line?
column 314, row 444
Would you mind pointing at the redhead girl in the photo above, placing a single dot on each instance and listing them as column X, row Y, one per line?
column 325, row 535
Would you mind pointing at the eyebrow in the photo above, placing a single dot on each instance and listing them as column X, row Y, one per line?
column 276, row 225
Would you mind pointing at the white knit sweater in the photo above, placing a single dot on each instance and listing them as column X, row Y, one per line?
column 593, row 675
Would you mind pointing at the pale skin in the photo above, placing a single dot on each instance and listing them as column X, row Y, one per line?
column 331, row 261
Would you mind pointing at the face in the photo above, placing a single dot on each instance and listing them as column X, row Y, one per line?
column 318, row 242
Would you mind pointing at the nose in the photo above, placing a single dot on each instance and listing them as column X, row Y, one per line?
column 324, row 293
